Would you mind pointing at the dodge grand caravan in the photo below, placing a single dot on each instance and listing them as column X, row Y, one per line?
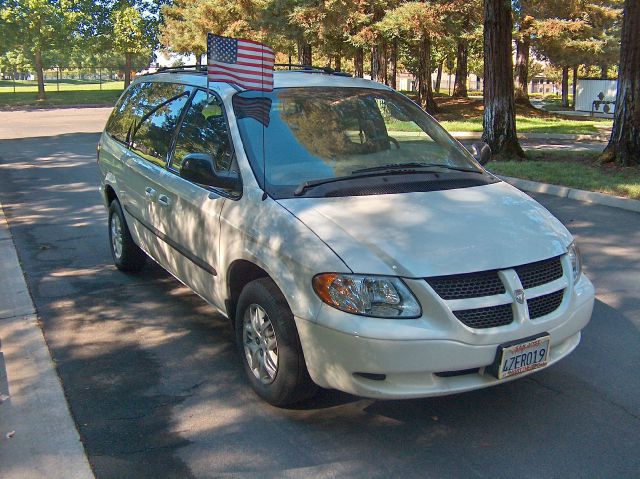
column 350, row 240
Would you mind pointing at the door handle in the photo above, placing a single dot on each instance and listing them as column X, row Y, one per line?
column 150, row 193
column 163, row 200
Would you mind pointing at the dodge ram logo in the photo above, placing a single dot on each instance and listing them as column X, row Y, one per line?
column 519, row 294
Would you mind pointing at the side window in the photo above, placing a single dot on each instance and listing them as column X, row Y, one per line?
column 158, row 112
column 123, row 114
column 204, row 130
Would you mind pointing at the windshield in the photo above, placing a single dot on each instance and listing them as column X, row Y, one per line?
column 322, row 133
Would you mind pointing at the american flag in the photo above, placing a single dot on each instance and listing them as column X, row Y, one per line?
column 242, row 62
column 256, row 108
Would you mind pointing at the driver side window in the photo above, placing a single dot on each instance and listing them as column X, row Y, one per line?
column 204, row 130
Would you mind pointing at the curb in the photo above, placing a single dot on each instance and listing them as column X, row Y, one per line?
column 477, row 135
column 38, row 437
column 574, row 194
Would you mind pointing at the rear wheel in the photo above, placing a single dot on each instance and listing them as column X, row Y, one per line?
column 269, row 345
column 127, row 256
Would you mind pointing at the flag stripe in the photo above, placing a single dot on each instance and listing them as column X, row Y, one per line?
column 254, row 57
column 252, row 79
column 247, row 71
column 240, row 81
column 265, row 51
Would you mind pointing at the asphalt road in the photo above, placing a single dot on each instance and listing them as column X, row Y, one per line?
column 156, row 388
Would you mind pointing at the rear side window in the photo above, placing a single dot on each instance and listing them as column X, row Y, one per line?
column 146, row 118
column 157, row 114
column 204, row 130
column 123, row 114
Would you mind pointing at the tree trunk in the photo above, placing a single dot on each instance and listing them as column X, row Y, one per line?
column 384, row 62
column 603, row 72
column 425, row 91
column 338, row 62
column 462, row 70
column 624, row 144
column 377, row 63
column 393, row 59
column 198, row 60
column 305, row 53
column 39, row 74
column 522, row 71
column 439, row 75
column 499, row 122
column 127, row 69
column 575, row 85
column 565, row 87
column 358, row 63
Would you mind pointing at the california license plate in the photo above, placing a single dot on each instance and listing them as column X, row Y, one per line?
column 522, row 357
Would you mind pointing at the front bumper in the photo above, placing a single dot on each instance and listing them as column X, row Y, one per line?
column 383, row 368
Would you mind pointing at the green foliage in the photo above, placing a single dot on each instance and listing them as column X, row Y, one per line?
column 575, row 32
column 129, row 35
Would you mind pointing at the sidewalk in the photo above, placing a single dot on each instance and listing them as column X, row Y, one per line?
column 38, row 437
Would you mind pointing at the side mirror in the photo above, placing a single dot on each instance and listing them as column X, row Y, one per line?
column 481, row 152
column 199, row 168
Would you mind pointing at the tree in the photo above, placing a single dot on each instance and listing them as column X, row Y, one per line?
column 416, row 25
column 460, row 20
column 130, row 37
column 523, row 48
column 181, row 32
column 499, row 122
column 40, row 26
column 576, row 32
column 624, row 144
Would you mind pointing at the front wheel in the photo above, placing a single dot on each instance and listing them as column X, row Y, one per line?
column 269, row 345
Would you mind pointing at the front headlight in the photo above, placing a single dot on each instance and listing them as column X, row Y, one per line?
column 576, row 261
column 376, row 296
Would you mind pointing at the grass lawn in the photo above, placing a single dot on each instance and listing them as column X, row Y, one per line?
column 6, row 86
column 564, row 168
column 72, row 92
column 526, row 124
column 465, row 114
column 80, row 97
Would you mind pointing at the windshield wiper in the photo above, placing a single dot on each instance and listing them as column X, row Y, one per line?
column 396, row 169
column 313, row 183
column 413, row 166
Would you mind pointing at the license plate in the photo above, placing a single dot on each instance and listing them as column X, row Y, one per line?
column 519, row 358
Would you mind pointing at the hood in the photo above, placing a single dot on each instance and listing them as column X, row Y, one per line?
column 434, row 233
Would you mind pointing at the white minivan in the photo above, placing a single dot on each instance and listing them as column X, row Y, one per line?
column 353, row 243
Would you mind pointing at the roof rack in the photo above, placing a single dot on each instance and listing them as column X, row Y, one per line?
column 310, row 69
column 181, row 69
column 278, row 66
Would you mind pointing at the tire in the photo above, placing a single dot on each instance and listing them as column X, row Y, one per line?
column 127, row 256
column 281, row 378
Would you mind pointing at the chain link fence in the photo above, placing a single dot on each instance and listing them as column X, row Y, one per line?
column 65, row 78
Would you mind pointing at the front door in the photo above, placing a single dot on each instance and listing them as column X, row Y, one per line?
column 190, row 213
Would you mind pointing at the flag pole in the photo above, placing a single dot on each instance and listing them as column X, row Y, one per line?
column 208, row 56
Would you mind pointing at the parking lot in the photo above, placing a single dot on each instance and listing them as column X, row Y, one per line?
column 156, row 388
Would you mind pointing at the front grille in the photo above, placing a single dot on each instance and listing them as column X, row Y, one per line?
column 488, row 283
column 543, row 305
column 490, row 317
column 540, row 272
column 463, row 286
